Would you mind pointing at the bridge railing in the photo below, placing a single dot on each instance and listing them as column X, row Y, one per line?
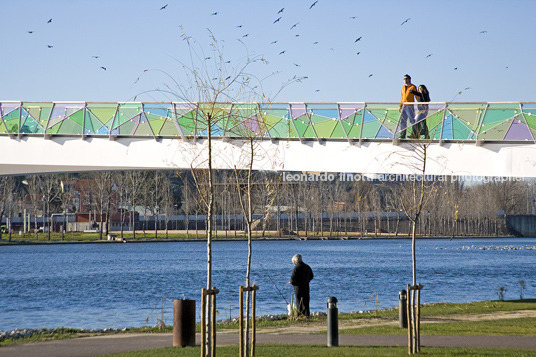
column 499, row 121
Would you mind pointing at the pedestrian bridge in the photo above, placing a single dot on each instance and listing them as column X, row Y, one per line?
column 487, row 139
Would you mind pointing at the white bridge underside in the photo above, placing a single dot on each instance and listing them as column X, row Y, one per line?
column 30, row 154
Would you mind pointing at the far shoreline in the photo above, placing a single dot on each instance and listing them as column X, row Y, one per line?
column 4, row 242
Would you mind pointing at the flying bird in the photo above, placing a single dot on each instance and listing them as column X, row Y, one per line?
column 406, row 20
column 297, row 35
column 310, row 7
column 271, row 43
column 455, row 68
column 280, row 11
column 317, row 90
column 104, row 68
column 485, row 31
column 358, row 39
column 315, row 43
column 429, row 55
column 49, row 21
column 358, row 53
column 228, row 78
column 297, row 65
column 207, row 58
column 239, row 26
column 353, row 17
column 296, row 24
column 214, row 14
column 246, row 35
column 95, row 57
column 227, row 61
column 30, row 31
column 279, row 18
column 370, row 75
column 50, row 46
column 163, row 7
column 281, row 52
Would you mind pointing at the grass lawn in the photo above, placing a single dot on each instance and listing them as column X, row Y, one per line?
column 322, row 351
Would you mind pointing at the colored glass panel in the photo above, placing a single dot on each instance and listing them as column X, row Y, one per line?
column 433, row 122
column 126, row 128
column 338, row 131
column 11, row 121
column 144, row 128
column 187, row 123
column 447, row 132
column 345, row 110
column 103, row 112
column 124, row 114
column 325, row 128
column 496, row 132
column 68, row 127
column 519, row 130
column 169, row 129
column 469, row 114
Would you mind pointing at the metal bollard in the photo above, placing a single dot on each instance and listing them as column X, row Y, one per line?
column 402, row 309
column 333, row 322
column 184, row 323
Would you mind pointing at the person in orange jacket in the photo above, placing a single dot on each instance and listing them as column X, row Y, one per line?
column 406, row 110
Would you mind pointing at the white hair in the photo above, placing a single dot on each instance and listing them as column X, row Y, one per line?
column 297, row 258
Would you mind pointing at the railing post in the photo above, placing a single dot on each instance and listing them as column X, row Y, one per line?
column 203, row 321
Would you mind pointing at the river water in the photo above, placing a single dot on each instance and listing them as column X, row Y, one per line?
column 121, row 285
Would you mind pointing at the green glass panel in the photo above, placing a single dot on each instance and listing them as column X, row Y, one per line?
column 12, row 125
column 531, row 120
column 370, row 129
column 301, row 127
column 156, row 125
column 144, row 129
column 127, row 128
column 3, row 129
column 30, row 126
column 497, row 113
column 338, row 131
column 469, row 114
column 270, row 121
column 91, row 124
column 39, row 111
column 354, row 132
column 125, row 113
column 15, row 114
column 68, row 127
column 104, row 112
column 496, row 132
column 354, row 119
column 460, row 131
column 310, row 133
column 54, row 129
column 317, row 118
column 325, row 128
column 281, row 129
column 434, row 124
column 169, row 128
column 187, row 123
column 77, row 117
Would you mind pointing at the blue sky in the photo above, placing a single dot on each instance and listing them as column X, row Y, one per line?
column 489, row 42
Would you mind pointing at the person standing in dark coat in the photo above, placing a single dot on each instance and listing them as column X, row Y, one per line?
column 302, row 274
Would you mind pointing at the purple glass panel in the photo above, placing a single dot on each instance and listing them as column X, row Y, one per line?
column 252, row 124
column 346, row 111
column 518, row 131
column 297, row 110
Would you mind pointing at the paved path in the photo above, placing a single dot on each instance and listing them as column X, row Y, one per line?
column 99, row 345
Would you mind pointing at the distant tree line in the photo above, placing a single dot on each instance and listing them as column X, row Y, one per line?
column 317, row 207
